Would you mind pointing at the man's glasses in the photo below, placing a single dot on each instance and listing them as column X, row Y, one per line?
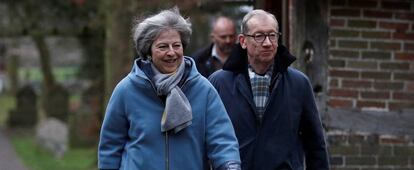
column 261, row 37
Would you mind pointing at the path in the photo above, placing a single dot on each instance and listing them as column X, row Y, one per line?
column 8, row 157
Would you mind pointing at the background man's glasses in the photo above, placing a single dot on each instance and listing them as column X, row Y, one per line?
column 260, row 37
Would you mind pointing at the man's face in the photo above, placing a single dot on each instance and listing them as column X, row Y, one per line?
column 224, row 35
column 260, row 52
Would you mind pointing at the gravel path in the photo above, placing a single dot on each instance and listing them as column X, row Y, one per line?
column 8, row 157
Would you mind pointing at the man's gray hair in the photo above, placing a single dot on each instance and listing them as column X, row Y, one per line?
column 146, row 31
column 248, row 16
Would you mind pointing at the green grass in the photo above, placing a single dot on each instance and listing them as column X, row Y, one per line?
column 60, row 73
column 39, row 159
column 6, row 104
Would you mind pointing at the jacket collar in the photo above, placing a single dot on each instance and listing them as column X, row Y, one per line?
column 238, row 62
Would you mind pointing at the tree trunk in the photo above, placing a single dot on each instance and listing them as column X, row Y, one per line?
column 48, row 79
column 118, row 47
column 13, row 67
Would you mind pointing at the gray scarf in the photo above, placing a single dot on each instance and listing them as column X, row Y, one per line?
column 177, row 114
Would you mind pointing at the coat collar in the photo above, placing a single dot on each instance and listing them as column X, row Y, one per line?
column 238, row 62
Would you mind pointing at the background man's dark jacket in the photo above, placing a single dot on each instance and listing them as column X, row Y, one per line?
column 291, row 125
column 205, row 63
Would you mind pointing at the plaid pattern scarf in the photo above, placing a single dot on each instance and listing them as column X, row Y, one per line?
column 260, row 88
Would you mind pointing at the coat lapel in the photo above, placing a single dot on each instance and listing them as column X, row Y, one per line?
column 244, row 89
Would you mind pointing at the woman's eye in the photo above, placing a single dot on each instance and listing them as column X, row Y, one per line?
column 163, row 47
column 177, row 46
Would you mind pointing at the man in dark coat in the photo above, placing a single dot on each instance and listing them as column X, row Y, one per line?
column 212, row 57
column 271, row 105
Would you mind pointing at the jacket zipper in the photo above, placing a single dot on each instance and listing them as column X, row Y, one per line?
column 167, row 152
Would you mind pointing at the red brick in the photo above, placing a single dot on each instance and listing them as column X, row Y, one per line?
column 355, row 44
column 377, row 75
column 343, row 93
column 395, row 5
column 337, row 22
column 377, row 55
column 405, row 16
column 344, row 150
column 332, row 43
column 385, row 46
column 397, row 106
column 403, row 36
column 393, row 160
column 360, row 160
column 408, row 46
column 375, row 149
column 375, row 95
column 393, row 140
column 337, row 139
column 344, row 53
column 336, row 63
column 346, row 12
column 404, row 56
column 377, row 14
column 356, row 84
column 388, row 85
column 338, row 3
column 366, row 3
column 336, row 161
column 403, row 96
column 366, row 65
column 362, row 23
column 344, row 73
column 364, row 104
column 394, row 25
column 344, row 33
column 404, row 150
column 404, row 76
column 376, row 34
column 394, row 66
column 356, row 139
column 335, row 83
column 340, row 103
column 410, row 86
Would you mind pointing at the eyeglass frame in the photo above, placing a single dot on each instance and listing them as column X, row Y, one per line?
column 267, row 35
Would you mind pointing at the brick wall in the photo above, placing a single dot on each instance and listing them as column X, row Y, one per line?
column 361, row 151
column 371, row 67
column 371, row 61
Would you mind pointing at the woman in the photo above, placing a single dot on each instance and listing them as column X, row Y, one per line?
column 164, row 114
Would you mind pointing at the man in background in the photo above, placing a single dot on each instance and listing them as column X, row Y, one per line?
column 223, row 37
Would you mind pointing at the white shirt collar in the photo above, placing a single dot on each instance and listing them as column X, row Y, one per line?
column 215, row 54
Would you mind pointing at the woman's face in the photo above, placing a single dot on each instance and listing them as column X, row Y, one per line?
column 167, row 51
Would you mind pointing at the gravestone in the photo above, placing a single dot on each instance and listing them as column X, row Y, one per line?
column 25, row 114
column 52, row 134
column 56, row 103
column 84, row 124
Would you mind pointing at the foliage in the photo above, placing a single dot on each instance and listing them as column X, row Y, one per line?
column 51, row 17
column 39, row 159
